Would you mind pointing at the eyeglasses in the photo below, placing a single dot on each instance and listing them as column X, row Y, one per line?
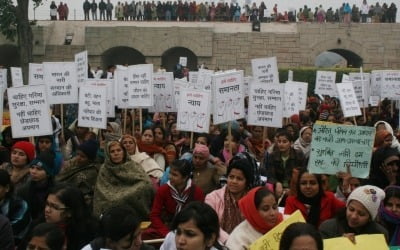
column 55, row 206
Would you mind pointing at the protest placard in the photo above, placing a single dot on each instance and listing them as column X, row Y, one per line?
column 16, row 77
column 390, row 84
column 348, row 99
column 122, row 90
column 228, row 97
column 290, row 76
column 361, row 90
column 92, row 107
column 376, row 78
column 60, row 79
column 265, row 105
column 247, row 80
column 81, row 61
column 183, row 61
column 374, row 101
column 271, row 240
column 325, row 83
column 36, row 74
column 3, row 79
column 109, row 85
column 265, row 70
column 140, row 86
column 291, row 99
column 363, row 242
column 164, row 100
column 193, row 76
column 301, row 88
column 179, row 85
column 336, row 147
column 194, row 111
column 204, row 79
column 345, row 78
column 29, row 111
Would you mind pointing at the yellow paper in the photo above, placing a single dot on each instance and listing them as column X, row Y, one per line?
column 271, row 239
column 363, row 242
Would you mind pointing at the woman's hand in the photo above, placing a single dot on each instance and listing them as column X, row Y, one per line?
column 389, row 173
column 351, row 237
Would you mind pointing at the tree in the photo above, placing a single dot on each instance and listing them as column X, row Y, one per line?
column 14, row 23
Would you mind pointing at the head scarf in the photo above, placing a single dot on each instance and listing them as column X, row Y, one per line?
column 392, row 219
column 250, row 212
column 202, row 149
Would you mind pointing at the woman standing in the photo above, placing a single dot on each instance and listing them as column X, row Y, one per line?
column 260, row 210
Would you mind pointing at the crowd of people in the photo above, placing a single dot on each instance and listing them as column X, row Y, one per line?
column 85, row 188
column 223, row 11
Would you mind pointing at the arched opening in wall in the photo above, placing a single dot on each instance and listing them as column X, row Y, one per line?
column 170, row 58
column 9, row 56
column 338, row 58
column 122, row 55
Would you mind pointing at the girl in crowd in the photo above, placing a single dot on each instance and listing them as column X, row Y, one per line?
column 231, row 146
column 121, row 181
column 260, row 210
column 196, row 227
column 35, row 191
column 256, row 144
column 14, row 208
column 22, row 153
column 389, row 214
column 303, row 143
column 385, row 167
column 66, row 208
column 299, row 236
column 119, row 229
column 148, row 164
column 147, row 145
column 159, row 135
column 47, row 143
column 46, row 236
column 172, row 197
column 359, row 216
column 283, row 163
column 314, row 203
column 225, row 200
column 382, row 125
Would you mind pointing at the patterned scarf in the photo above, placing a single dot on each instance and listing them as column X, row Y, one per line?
column 390, row 218
column 232, row 215
column 181, row 198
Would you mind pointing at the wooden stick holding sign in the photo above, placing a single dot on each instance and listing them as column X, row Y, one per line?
column 140, row 120
column 230, row 139
column 191, row 139
column 133, row 121
column 125, row 114
column 62, row 120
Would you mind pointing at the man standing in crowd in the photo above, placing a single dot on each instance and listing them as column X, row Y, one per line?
column 86, row 8
column 102, row 9
column 93, row 7
column 109, row 9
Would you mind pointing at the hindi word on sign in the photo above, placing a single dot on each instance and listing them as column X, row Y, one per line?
column 122, row 87
column 16, row 77
column 36, row 74
column 335, row 148
column 81, row 62
column 265, row 105
column 92, row 107
column 265, row 70
column 29, row 110
column 194, row 111
column 60, row 79
column 348, row 99
column 325, row 83
column 140, row 85
column 109, row 84
column 163, row 91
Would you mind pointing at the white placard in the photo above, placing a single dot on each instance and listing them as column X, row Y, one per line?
column 36, row 74
column 247, row 80
column 265, row 105
column 193, row 112
column 290, row 76
column 376, row 79
column 92, row 107
column 109, row 84
column 122, row 90
column 81, row 61
column 301, row 88
column 179, row 85
column 345, row 78
column 204, row 79
column 16, row 77
column 348, row 99
column 29, row 111
column 3, row 79
column 60, row 79
column 193, row 76
column 390, row 84
column 374, row 100
column 325, row 83
column 291, row 99
column 163, row 91
column 183, row 61
column 265, row 70
column 228, row 97
column 356, row 76
column 1, row 106
column 361, row 89
column 140, row 85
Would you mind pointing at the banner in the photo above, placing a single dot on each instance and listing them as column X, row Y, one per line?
column 122, row 90
column 92, row 107
column 140, row 86
column 193, row 112
column 36, row 74
column 348, row 99
column 271, row 240
column 109, row 85
column 29, row 111
column 265, row 70
column 336, row 147
column 228, row 96
column 16, row 77
column 265, row 105
column 325, row 83
column 81, row 62
column 60, row 79
column 163, row 91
